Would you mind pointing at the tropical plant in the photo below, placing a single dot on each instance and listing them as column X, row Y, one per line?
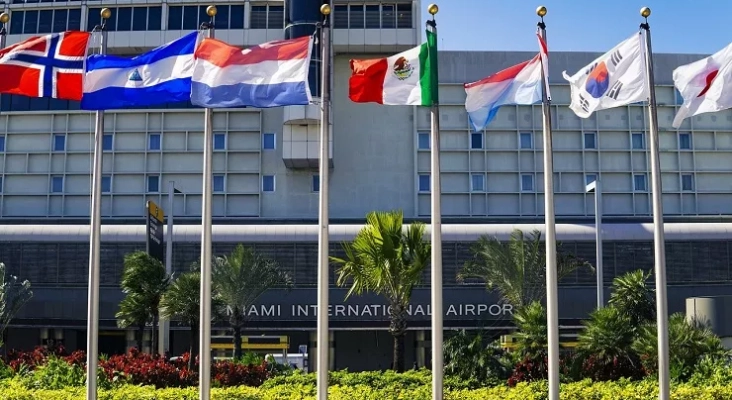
column 531, row 337
column 181, row 302
column 471, row 360
column 144, row 281
column 516, row 269
column 238, row 280
column 132, row 312
column 632, row 297
column 388, row 260
column 13, row 296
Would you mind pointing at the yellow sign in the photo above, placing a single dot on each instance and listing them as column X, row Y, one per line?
column 154, row 211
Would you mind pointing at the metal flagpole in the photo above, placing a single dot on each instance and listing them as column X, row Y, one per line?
column 4, row 19
column 436, row 239
column 323, row 339
column 595, row 187
column 552, row 298
column 204, row 366
column 658, row 233
column 164, row 325
column 95, row 233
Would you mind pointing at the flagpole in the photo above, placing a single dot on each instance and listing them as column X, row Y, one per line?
column 164, row 324
column 95, row 233
column 658, row 233
column 204, row 356
column 323, row 340
column 436, row 239
column 4, row 19
column 552, row 297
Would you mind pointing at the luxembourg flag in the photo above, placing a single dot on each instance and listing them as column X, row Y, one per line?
column 272, row 74
column 520, row 84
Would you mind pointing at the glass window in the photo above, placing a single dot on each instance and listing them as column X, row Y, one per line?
column 638, row 141
column 373, row 17
column 2, row 143
column 268, row 183
column 190, row 17
column 59, row 142
column 31, row 21
column 175, row 17
column 685, row 141
column 340, row 17
column 106, row 184
column 477, row 182
column 218, row 182
column 75, row 19
column 687, row 182
column 388, row 16
column 154, row 18
column 219, row 141
column 153, row 184
column 59, row 20
column 107, row 142
column 424, row 183
column 236, row 17
column 316, row 183
column 16, row 22
column 222, row 17
column 268, row 141
column 57, row 184
column 526, row 140
column 424, row 141
column 590, row 142
column 258, row 17
column 527, row 182
column 404, row 16
column 589, row 178
column 356, row 16
column 1, row 184
column 276, row 17
column 476, row 140
column 139, row 19
column 639, row 182
column 154, row 141
column 678, row 97
column 124, row 19
column 45, row 21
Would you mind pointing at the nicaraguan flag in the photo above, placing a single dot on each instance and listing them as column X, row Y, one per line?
column 272, row 74
column 162, row 75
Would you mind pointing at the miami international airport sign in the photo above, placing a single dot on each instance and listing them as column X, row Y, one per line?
column 154, row 242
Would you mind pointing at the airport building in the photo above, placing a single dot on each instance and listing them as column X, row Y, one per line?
column 266, row 182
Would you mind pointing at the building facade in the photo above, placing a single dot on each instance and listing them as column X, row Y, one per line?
column 266, row 182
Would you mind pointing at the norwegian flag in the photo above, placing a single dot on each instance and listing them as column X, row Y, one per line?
column 45, row 66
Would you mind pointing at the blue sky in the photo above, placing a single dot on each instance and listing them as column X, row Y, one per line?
column 677, row 26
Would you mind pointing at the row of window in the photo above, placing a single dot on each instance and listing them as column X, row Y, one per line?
column 11, row 102
column 153, row 183
column 526, row 141
column 478, row 182
column 373, row 16
column 45, row 21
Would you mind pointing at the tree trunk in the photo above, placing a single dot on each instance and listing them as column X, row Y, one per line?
column 193, row 345
column 398, row 328
column 140, row 336
column 398, row 361
column 154, row 334
column 237, row 342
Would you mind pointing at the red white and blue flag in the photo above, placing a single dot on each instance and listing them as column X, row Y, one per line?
column 45, row 66
column 520, row 84
column 272, row 74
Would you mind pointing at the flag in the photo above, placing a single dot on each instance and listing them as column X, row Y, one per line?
column 705, row 85
column 162, row 75
column 520, row 84
column 272, row 74
column 614, row 79
column 45, row 66
column 405, row 79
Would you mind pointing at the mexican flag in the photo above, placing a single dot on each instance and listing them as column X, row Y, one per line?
column 405, row 79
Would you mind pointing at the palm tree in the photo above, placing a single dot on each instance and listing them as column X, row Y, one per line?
column 13, row 296
column 516, row 269
column 532, row 330
column 633, row 297
column 182, row 302
column 133, row 312
column 238, row 281
column 145, row 279
column 389, row 261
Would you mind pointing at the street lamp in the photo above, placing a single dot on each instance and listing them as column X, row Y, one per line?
column 591, row 187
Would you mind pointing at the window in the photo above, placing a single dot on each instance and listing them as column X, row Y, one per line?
column 218, row 183
column 340, row 17
column 356, row 17
column 106, row 184
column 589, row 178
column 687, row 182
column 373, row 16
column 153, row 184
column 59, row 142
column 476, row 140
column 527, row 183
column 685, row 141
column 638, row 141
column 424, row 183
column 219, row 141
column 268, row 183
column 2, row 143
column 1, row 184
column 268, row 141
column 477, row 183
column 258, row 17
column 388, row 16
column 154, row 141
column 107, row 142
column 590, row 142
column 275, row 17
column 526, row 140
column 57, row 184
column 679, row 98
column 639, row 182
column 424, row 141
column 316, row 183
column 404, row 16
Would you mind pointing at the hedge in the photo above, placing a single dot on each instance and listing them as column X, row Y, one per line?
column 584, row 390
